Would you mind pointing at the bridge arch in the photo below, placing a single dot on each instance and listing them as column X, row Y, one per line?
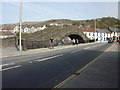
column 58, row 33
column 73, row 35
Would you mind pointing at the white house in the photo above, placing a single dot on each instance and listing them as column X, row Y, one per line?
column 33, row 29
column 57, row 24
column 100, row 35
column 26, row 30
column 43, row 27
column 115, row 33
column 16, row 29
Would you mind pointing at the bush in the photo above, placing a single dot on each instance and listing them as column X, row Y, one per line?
column 23, row 34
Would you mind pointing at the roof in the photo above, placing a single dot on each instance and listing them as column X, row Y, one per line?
column 7, row 28
column 103, row 30
column 88, row 30
column 6, row 33
column 115, row 29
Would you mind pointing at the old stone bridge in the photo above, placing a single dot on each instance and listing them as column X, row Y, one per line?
column 41, row 39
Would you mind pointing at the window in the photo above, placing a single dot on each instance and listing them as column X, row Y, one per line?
column 89, row 34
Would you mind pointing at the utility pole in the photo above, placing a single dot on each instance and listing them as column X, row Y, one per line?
column 115, row 31
column 95, row 29
column 20, row 21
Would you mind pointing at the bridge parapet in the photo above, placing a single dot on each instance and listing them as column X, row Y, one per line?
column 41, row 38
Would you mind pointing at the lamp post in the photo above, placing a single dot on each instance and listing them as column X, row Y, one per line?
column 20, row 21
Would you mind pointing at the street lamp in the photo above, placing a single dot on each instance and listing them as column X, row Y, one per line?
column 20, row 21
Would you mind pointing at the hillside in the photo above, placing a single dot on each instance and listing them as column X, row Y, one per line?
column 102, row 23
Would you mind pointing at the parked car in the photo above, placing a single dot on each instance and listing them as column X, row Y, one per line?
column 110, row 41
column 118, row 41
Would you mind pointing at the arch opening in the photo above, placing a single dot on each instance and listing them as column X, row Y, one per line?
column 75, row 36
column 69, row 39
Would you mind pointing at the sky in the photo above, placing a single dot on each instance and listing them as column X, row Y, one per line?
column 42, row 11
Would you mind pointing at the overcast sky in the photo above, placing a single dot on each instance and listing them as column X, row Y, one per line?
column 41, row 11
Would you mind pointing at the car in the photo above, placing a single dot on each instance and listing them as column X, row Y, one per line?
column 110, row 41
column 118, row 41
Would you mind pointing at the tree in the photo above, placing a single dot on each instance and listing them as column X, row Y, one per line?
column 76, row 24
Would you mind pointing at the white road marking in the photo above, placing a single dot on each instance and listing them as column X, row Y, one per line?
column 10, row 68
column 49, row 57
column 6, row 65
column 84, row 48
column 0, row 67
column 30, row 61
column 87, row 47
column 76, row 51
column 93, row 46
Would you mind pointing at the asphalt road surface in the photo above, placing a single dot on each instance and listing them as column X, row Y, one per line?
column 46, row 70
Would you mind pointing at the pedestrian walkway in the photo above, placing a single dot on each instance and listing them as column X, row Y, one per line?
column 101, row 73
column 12, row 51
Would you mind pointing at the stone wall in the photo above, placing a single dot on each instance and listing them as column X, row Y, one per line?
column 58, row 33
column 29, row 44
column 8, row 42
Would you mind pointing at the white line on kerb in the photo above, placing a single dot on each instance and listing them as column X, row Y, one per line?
column 49, row 58
column 10, row 68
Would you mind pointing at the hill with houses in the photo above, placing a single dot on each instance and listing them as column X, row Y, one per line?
column 31, row 27
column 101, row 23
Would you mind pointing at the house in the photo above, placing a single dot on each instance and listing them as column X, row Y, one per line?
column 43, row 27
column 16, row 29
column 28, row 29
column 98, row 34
column 57, row 24
column 115, row 33
column 24, row 29
column 6, row 34
column 90, row 33
column 7, row 28
column 105, row 34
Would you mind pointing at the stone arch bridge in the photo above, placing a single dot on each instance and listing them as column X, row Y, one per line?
column 41, row 39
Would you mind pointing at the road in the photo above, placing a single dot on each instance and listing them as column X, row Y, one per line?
column 49, row 70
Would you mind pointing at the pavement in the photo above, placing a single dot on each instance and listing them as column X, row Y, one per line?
column 102, row 72
column 12, row 51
